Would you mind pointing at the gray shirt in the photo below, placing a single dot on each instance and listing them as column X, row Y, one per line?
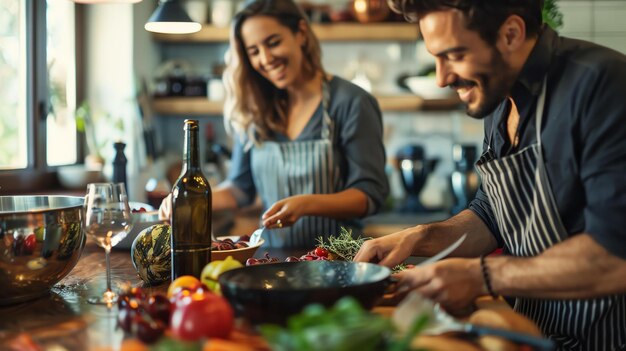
column 358, row 145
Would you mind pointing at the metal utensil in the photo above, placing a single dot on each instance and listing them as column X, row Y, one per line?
column 441, row 322
column 256, row 236
column 445, row 252
column 447, row 323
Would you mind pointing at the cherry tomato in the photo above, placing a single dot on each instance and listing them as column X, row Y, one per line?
column 29, row 244
column 321, row 252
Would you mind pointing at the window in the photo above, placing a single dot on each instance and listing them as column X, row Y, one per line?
column 61, row 63
column 38, row 92
column 13, row 121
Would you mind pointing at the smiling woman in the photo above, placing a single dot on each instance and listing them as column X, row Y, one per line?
column 37, row 97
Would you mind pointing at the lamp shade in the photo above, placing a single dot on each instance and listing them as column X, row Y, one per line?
column 171, row 18
column 106, row 1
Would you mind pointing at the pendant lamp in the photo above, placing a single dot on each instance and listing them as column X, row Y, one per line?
column 106, row 1
column 170, row 17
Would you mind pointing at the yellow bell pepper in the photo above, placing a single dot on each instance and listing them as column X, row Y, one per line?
column 213, row 269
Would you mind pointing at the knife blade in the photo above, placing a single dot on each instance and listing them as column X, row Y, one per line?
column 445, row 252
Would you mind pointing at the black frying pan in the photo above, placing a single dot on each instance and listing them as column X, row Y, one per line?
column 270, row 293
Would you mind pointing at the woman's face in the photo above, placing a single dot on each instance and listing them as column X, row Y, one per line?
column 273, row 50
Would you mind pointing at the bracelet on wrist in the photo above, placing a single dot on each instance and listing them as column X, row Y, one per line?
column 486, row 277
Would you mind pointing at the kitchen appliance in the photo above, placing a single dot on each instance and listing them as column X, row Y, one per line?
column 270, row 293
column 414, row 170
column 464, row 180
column 41, row 239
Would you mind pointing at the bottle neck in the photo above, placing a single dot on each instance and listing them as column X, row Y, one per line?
column 191, row 151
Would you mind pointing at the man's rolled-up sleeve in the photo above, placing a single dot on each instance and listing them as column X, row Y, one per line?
column 603, row 161
column 482, row 208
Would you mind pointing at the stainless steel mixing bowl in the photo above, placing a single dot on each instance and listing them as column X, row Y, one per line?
column 41, row 239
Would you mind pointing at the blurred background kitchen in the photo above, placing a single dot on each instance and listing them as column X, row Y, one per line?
column 76, row 78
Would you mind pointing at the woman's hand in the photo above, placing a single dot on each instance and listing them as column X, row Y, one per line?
column 165, row 210
column 454, row 283
column 286, row 212
column 389, row 250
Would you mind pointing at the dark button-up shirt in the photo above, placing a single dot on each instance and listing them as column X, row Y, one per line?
column 583, row 135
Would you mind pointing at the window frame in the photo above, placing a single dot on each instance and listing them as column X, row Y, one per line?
column 38, row 177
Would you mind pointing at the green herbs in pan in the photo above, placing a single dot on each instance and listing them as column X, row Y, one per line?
column 345, row 247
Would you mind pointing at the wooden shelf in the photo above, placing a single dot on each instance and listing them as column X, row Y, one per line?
column 325, row 32
column 186, row 106
column 390, row 103
column 367, row 32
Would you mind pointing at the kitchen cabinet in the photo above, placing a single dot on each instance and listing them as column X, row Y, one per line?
column 337, row 32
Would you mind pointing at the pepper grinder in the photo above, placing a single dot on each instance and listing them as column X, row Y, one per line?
column 119, row 164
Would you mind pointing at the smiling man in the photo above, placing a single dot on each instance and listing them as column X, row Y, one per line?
column 553, row 172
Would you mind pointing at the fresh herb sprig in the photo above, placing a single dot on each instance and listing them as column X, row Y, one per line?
column 346, row 247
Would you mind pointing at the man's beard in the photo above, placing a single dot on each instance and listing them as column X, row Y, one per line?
column 495, row 87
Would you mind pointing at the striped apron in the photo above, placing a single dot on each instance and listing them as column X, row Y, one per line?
column 527, row 216
column 283, row 169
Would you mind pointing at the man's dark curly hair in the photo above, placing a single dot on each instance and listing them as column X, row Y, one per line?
column 483, row 16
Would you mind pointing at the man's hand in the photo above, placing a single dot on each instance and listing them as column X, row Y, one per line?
column 287, row 211
column 389, row 250
column 454, row 283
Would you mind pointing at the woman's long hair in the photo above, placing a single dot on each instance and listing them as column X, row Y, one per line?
column 253, row 105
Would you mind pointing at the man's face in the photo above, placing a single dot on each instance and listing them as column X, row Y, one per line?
column 466, row 63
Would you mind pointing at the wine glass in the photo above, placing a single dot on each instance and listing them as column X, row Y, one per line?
column 107, row 221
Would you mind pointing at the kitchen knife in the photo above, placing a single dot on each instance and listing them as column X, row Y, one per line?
column 445, row 252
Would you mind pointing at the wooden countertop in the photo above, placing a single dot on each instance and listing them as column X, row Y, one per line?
column 65, row 321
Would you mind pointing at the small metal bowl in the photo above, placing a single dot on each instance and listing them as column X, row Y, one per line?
column 41, row 240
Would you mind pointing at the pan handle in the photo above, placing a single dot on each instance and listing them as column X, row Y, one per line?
column 391, row 285
column 537, row 343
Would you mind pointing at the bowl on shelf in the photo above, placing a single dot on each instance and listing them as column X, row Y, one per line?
column 41, row 240
column 77, row 176
column 427, row 88
column 241, row 255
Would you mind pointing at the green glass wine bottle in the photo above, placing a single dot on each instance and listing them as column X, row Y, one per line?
column 191, row 211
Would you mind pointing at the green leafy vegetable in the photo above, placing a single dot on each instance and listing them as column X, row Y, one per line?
column 346, row 326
